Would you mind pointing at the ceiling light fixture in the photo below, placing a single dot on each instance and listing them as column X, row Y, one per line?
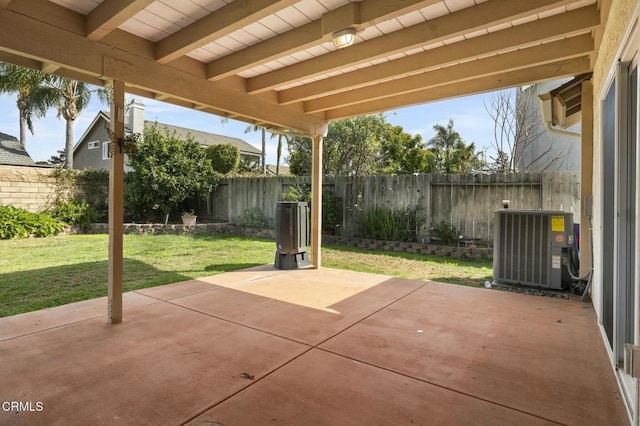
column 344, row 38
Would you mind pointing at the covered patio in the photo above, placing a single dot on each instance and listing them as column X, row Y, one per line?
column 264, row 346
column 293, row 66
column 322, row 346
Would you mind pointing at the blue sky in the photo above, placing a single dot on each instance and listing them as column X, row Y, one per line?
column 469, row 115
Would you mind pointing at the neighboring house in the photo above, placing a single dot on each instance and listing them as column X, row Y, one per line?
column 12, row 152
column 92, row 149
column 542, row 148
column 283, row 170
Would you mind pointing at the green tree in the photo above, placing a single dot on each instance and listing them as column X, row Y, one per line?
column 69, row 97
column 453, row 155
column 57, row 160
column 299, row 155
column 361, row 146
column 25, row 83
column 402, row 153
column 224, row 158
column 166, row 172
column 351, row 146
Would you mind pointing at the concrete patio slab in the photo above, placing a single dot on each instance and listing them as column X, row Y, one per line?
column 46, row 319
column 177, row 290
column 244, row 275
column 538, row 355
column 320, row 388
column 310, row 347
column 322, row 304
column 163, row 365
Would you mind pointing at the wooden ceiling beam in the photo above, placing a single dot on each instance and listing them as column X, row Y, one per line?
column 21, row 61
column 232, row 17
column 49, row 68
column 524, row 58
column 35, row 64
column 51, row 13
column 79, row 76
column 482, row 16
column 370, row 12
column 40, row 41
column 575, row 22
column 110, row 14
column 516, row 78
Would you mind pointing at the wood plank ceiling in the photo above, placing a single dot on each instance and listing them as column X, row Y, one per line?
column 272, row 62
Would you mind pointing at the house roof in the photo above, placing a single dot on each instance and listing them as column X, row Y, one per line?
column 100, row 115
column 203, row 138
column 273, row 63
column 208, row 139
column 284, row 170
column 12, row 152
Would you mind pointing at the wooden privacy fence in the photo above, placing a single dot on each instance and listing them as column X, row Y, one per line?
column 466, row 201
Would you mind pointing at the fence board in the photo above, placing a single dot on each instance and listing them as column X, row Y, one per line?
column 467, row 201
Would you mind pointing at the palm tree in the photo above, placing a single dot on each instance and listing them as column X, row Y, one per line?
column 452, row 153
column 255, row 128
column 279, row 153
column 25, row 83
column 69, row 97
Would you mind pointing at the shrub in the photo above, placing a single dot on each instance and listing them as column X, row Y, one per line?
column 253, row 218
column 331, row 212
column 93, row 186
column 445, row 232
column 74, row 212
column 383, row 223
column 166, row 172
column 89, row 184
column 225, row 158
column 296, row 193
column 19, row 223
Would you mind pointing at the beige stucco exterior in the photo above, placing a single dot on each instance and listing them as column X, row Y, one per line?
column 618, row 23
column 623, row 15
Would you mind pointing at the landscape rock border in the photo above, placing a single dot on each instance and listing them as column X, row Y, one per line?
column 226, row 228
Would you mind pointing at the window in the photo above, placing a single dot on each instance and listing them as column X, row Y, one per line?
column 105, row 150
column 94, row 144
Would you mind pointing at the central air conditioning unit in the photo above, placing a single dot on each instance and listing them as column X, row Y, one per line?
column 531, row 247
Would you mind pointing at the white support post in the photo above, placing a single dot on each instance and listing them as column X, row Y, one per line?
column 116, row 207
column 316, row 201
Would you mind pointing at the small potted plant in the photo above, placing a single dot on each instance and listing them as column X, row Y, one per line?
column 189, row 218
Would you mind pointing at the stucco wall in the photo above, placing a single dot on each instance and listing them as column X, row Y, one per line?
column 30, row 188
column 618, row 23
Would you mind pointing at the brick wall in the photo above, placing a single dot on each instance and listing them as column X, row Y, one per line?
column 26, row 187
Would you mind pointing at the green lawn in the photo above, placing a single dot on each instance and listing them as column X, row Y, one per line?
column 38, row 273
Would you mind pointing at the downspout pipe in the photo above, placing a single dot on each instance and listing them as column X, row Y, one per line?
column 547, row 119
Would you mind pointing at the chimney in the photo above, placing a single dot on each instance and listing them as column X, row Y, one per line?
column 135, row 118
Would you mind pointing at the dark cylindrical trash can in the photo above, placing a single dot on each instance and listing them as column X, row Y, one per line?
column 292, row 234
